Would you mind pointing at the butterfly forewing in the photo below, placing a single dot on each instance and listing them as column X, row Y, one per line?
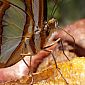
column 14, row 19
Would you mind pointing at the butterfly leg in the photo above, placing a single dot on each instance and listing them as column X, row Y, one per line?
column 63, row 50
column 29, row 67
column 30, row 59
column 30, row 72
column 58, row 69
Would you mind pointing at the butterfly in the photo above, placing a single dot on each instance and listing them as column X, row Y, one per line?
column 28, row 31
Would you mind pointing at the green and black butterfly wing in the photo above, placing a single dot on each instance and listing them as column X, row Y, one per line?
column 13, row 24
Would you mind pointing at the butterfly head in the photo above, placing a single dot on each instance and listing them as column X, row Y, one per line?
column 52, row 23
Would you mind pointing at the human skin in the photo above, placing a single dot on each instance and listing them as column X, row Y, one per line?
column 77, row 30
column 20, row 69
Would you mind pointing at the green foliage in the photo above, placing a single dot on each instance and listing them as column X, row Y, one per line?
column 50, row 5
column 68, row 11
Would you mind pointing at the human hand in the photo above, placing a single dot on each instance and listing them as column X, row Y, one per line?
column 77, row 30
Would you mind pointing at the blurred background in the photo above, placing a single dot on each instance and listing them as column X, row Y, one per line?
column 67, row 11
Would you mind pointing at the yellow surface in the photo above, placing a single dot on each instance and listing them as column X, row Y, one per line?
column 73, row 71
